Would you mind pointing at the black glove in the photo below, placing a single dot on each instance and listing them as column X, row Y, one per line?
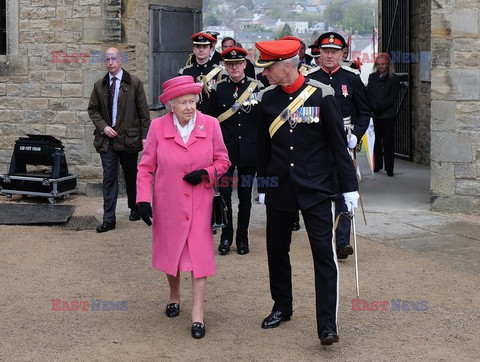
column 146, row 212
column 195, row 177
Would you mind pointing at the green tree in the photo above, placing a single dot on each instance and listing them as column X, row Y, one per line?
column 211, row 20
column 358, row 17
column 333, row 14
column 286, row 30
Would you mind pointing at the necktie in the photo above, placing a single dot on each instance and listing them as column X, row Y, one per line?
column 112, row 93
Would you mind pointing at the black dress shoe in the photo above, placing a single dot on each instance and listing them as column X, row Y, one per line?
column 390, row 174
column 274, row 319
column 134, row 215
column 344, row 251
column 105, row 227
column 328, row 336
column 224, row 247
column 242, row 248
column 296, row 226
column 172, row 310
column 198, row 330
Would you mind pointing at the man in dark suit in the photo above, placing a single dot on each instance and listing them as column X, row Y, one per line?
column 118, row 108
column 234, row 103
column 300, row 140
column 352, row 97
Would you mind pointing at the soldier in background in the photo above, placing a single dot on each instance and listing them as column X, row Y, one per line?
column 352, row 97
column 202, row 69
column 234, row 103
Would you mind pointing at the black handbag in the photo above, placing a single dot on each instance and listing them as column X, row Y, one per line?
column 219, row 212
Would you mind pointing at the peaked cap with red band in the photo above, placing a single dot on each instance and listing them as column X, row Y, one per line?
column 276, row 50
column 203, row 39
column 315, row 49
column 332, row 40
column 291, row 37
column 234, row 54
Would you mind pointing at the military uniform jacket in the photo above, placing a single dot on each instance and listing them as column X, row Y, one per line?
column 298, row 162
column 350, row 93
column 197, row 71
column 240, row 130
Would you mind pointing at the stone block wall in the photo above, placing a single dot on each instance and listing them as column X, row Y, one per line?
column 42, row 92
column 455, row 106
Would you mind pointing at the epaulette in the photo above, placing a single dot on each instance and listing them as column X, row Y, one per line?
column 189, row 59
column 184, row 68
column 311, row 70
column 265, row 90
column 214, row 86
column 259, row 84
column 354, row 71
column 327, row 90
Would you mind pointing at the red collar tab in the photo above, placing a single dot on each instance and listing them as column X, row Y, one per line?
column 331, row 71
column 292, row 88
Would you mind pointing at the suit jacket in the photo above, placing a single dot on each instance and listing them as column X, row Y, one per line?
column 296, row 166
column 240, row 130
column 383, row 91
column 133, row 116
column 350, row 93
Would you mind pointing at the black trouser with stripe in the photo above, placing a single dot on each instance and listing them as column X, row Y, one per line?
column 319, row 225
column 243, row 183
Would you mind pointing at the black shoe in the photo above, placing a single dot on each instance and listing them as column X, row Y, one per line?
column 390, row 174
column 105, row 227
column 344, row 251
column 224, row 247
column 134, row 215
column 242, row 248
column 172, row 310
column 328, row 336
column 274, row 319
column 296, row 226
column 198, row 330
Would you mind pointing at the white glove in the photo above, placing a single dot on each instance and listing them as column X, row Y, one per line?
column 352, row 141
column 351, row 200
column 261, row 199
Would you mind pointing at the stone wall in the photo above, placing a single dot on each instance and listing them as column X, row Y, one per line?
column 455, row 106
column 41, row 95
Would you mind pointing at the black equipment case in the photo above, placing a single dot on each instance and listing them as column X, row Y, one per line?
column 38, row 150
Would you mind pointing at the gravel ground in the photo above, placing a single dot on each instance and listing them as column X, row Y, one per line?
column 43, row 263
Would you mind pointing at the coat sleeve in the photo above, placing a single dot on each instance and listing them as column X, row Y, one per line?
column 95, row 108
column 362, row 108
column 331, row 116
column 263, row 147
column 142, row 109
column 147, row 167
column 220, row 154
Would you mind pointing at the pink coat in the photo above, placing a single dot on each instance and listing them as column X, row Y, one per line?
column 182, row 213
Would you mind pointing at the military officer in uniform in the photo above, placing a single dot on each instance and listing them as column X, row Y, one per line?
column 315, row 52
column 300, row 140
column 352, row 97
column 234, row 103
column 202, row 69
column 214, row 54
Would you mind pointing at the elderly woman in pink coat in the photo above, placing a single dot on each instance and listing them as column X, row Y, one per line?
column 176, row 174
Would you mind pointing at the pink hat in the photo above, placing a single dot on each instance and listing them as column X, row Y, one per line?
column 179, row 86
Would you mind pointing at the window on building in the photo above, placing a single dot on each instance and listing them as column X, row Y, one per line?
column 169, row 45
column 3, row 27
